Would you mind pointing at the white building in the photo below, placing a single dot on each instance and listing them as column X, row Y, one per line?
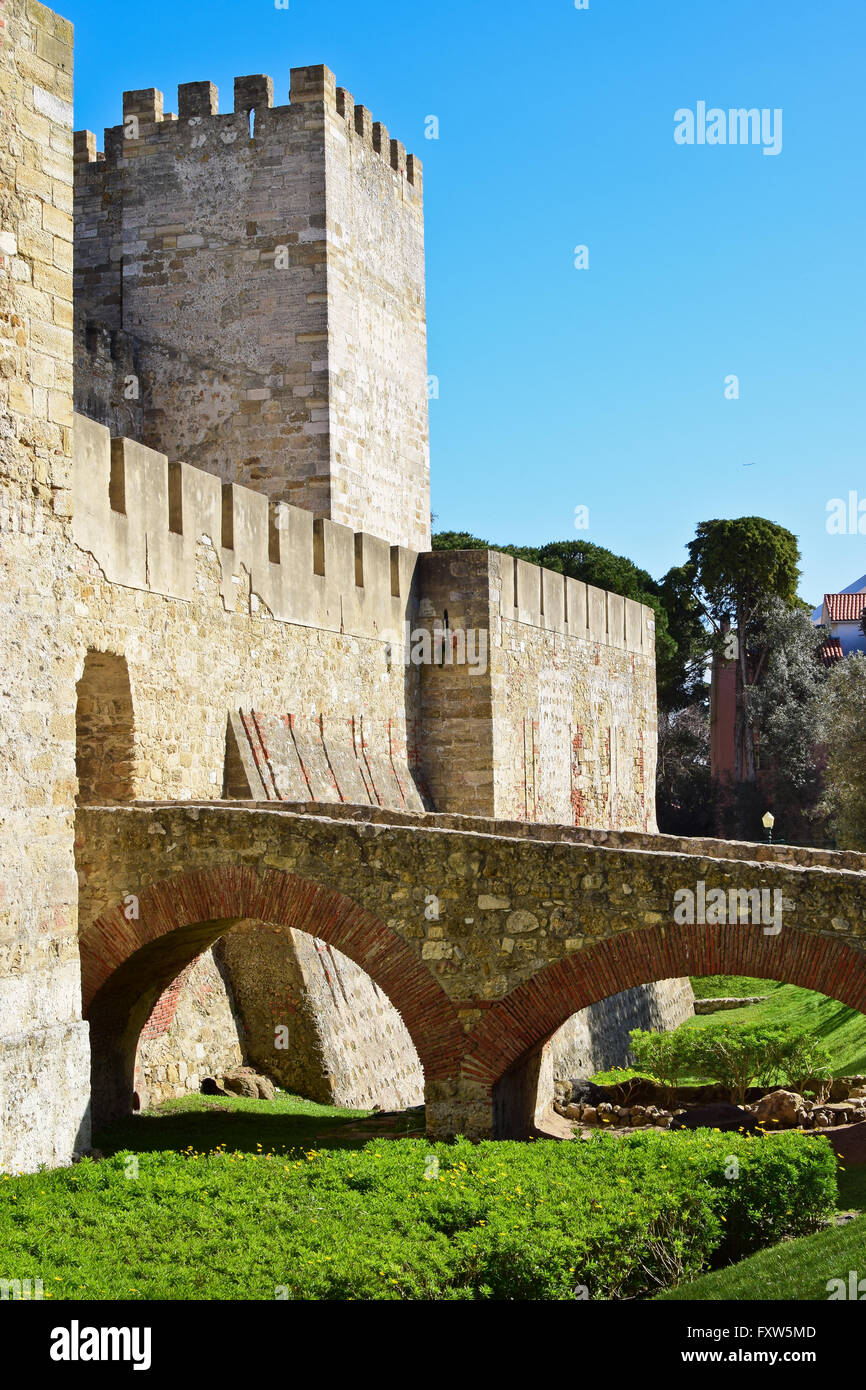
column 841, row 614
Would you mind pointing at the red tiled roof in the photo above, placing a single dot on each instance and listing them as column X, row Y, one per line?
column 830, row 651
column 845, row 608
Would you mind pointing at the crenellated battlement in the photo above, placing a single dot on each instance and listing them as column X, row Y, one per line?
column 144, row 518
column 545, row 599
column 199, row 125
column 250, row 297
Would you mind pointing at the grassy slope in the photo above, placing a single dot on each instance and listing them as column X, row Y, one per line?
column 842, row 1030
column 794, row 1269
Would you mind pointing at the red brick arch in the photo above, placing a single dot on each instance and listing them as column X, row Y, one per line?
column 132, row 952
column 531, row 1012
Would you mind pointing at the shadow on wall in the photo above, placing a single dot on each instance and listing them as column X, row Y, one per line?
column 104, row 731
column 292, row 1007
column 593, row 1039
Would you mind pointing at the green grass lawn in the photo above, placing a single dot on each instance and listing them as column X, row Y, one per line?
column 731, row 986
column 205, row 1123
column 794, row 1269
column 842, row 1030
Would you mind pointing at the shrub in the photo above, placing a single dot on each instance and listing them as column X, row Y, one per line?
column 409, row 1219
column 664, row 1056
column 733, row 1055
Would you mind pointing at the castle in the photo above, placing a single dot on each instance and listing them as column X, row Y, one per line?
column 215, row 547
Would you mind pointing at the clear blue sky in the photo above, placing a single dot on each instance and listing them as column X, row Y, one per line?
column 602, row 387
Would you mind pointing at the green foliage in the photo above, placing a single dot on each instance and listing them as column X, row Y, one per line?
column 738, row 563
column 412, row 1220
column 802, row 1012
column 785, row 707
column 733, row 1055
column 667, row 1057
column 458, row 540
column 684, row 791
column 736, row 567
column 794, row 1270
column 843, row 729
column 806, row 1062
column 731, row 986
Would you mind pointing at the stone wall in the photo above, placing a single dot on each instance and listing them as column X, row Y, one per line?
column 44, row 1089
column 193, row 1032
column 559, row 725
column 596, row 1039
column 347, row 1044
column 249, row 296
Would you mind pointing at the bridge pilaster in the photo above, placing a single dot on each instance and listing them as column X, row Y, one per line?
column 459, row 1105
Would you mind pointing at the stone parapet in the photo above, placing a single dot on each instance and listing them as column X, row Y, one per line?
column 142, row 519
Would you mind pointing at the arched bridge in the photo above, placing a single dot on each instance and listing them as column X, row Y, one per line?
column 486, row 935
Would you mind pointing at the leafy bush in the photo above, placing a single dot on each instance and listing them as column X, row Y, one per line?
column 733, row 1055
column 413, row 1220
column 664, row 1056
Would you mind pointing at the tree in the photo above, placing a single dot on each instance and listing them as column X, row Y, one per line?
column 844, row 737
column 735, row 567
column 785, row 710
column 684, row 804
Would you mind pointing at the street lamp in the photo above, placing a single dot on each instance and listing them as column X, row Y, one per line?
column 768, row 821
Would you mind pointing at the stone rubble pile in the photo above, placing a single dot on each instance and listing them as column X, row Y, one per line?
column 591, row 1105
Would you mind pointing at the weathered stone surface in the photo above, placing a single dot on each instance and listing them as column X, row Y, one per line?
column 317, row 1023
column 714, row 1006
column 43, row 1044
column 242, row 1084
column 193, row 1026
column 779, row 1109
column 271, row 280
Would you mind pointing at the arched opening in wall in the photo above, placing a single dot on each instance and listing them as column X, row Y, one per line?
column 104, row 732
column 593, row 1039
column 513, row 1046
column 357, row 965
column 295, row 1009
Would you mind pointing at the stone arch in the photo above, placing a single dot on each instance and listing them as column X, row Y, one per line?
column 131, row 953
column 104, row 731
column 515, row 1028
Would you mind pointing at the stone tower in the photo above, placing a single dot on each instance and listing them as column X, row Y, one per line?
column 44, row 1056
column 249, row 297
